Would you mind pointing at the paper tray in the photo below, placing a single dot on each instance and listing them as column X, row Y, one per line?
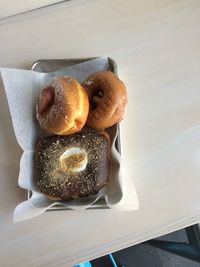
column 49, row 65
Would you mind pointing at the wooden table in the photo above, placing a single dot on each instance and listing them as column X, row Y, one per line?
column 156, row 45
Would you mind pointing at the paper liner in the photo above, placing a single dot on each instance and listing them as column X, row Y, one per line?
column 22, row 88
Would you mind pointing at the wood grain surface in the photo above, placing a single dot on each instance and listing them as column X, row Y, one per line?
column 156, row 45
column 12, row 8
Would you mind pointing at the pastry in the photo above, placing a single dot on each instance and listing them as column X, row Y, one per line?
column 108, row 98
column 73, row 166
column 62, row 107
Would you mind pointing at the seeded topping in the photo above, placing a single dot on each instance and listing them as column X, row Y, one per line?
column 72, row 166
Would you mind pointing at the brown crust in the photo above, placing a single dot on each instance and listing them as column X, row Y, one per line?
column 108, row 98
column 54, row 181
column 69, row 111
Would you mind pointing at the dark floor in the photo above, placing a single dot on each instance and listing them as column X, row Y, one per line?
column 146, row 256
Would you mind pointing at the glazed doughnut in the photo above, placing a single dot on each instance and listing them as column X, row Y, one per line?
column 108, row 98
column 73, row 166
column 62, row 107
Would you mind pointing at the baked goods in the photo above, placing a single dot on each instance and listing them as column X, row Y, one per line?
column 76, row 163
column 108, row 98
column 62, row 107
column 73, row 166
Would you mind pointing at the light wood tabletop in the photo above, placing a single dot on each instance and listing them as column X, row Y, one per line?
column 10, row 8
column 156, row 46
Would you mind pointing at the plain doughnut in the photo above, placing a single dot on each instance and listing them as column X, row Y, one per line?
column 108, row 98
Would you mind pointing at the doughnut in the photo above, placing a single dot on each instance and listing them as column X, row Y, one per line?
column 73, row 166
column 108, row 98
column 62, row 107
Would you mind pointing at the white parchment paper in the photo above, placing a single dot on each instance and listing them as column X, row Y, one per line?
column 22, row 88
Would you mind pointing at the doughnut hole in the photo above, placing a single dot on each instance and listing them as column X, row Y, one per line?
column 96, row 98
